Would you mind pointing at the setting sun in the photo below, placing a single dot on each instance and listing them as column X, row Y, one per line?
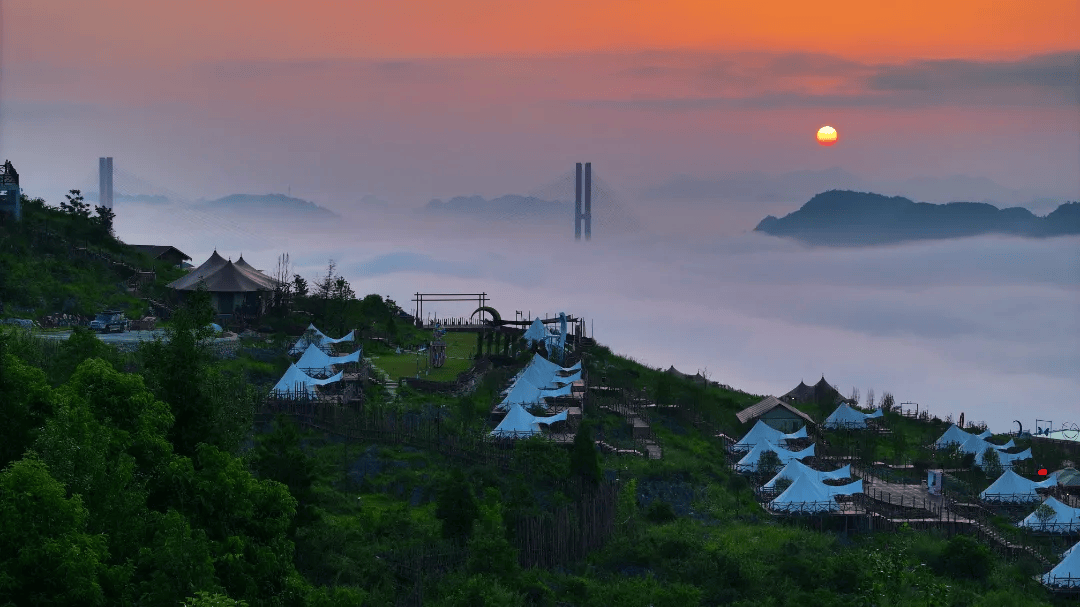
column 826, row 135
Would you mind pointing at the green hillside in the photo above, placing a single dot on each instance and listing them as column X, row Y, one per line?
column 64, row 260
column 156, row 478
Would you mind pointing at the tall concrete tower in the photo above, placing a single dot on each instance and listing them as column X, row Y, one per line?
column 105, row 175
column 583, row 197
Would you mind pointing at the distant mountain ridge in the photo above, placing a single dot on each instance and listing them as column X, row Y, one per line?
column 755, row 186
column 848, row 218
column 267, row 203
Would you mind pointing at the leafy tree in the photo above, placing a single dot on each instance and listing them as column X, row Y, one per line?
column 104, row 220
column 173, row 561
column 46, row 555
column 177, row 370
column 456, row 507
column 768, row 464
column 246, row 520
column 279, row 456
column 887, row 402
column 75, row 205
column 1044, row 513
column 965, row 558
column 25, row 404
column 991, row 463
column 584, row 461
column 208, row 599
column 300, row 286
column 489, row 550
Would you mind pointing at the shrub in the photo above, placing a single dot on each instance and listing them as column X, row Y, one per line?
column 965, row 558
column 660, row 512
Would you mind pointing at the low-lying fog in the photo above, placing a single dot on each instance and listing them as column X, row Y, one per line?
column 988, row 326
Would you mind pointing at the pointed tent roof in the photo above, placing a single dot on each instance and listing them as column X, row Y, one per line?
column 807, row 494
column 795, row 468
column 764, row 432
column 826, row 393
column 535, row 332
column 1011, row 487
column 749, row 462
column 846, row 417
column 315, row 358
column 764, row 406
column 226, row 279
column 519, row 423
column 244, row 265
column 1067, row 573
column 314, row 336
column 294, row 380
column 801, row 393
column 1066, row 519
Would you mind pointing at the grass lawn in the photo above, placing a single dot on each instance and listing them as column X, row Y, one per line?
column 460, row 348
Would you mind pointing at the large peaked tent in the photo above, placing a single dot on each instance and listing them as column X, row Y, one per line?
column 807, row 494
column 519, row 423
column 795, row 469
column 315, row 360
column 295, row 381
column 764, row 432
column 313, row 336
column 539, row 379
column 956, row 436
column 1066, row 519
column 1067, row 573
column 1010, row 487
column 749, row 461
column 846, row 417
column 536, row 332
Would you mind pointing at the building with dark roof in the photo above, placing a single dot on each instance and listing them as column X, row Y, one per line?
column 776, row 413
column 163, row 252
column 820, row 393
column 233, row 289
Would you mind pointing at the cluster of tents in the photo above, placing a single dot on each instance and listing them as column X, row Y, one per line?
column 554, row 340
column 315, row 367
column 977, row 444
column 540, row 379
column 807, row 491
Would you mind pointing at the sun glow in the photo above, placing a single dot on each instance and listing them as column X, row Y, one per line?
column 826, row 135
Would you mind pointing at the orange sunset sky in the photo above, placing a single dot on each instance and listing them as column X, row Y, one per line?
column 357, row 95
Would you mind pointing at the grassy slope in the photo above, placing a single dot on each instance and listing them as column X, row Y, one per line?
column 38, row 276
column 688, row 533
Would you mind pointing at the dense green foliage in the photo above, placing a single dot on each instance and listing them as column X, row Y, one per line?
column 143, row 480
column 60, row 260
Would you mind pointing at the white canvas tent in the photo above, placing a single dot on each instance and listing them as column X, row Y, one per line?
column 764, row 432
column 1066, row 519
column 807, row 494
column 313, row 336
column 296, row 381
column 955, row 436
column 846, row 417
column 519, row 423
column 314, row 360
column 795, row 469
column 1010, row 487
column 1067, row 573
column 535, row 332
column 749, row 461
column 539, row 379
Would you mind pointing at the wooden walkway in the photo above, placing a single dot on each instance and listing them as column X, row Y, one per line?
column 947, row 510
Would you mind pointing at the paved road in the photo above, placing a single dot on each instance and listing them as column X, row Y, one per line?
column 125, row 337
